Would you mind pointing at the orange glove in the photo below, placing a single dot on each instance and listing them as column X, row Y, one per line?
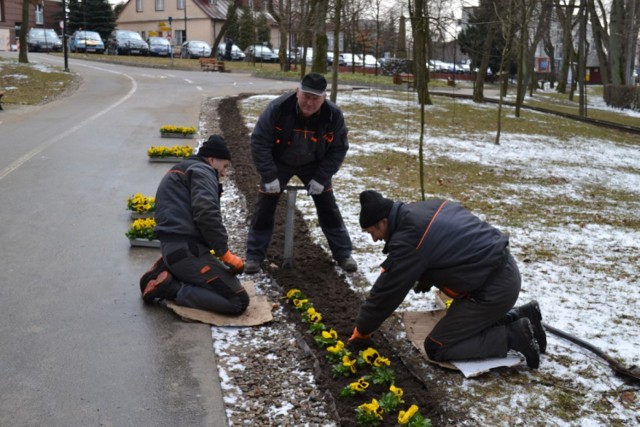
column 358, row 336
column 235, row 263
column 358, row 342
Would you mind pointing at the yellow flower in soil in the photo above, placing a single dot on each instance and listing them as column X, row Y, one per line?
column 360, row 385
column 349, row 363
column 313, row 315
column 298, row 303
column 336, row 348
column 330, row 334
column 397, row 391
column 372, row 408
column 370, row 355
column 381, row 361
column 405, row 416
column 292, row 293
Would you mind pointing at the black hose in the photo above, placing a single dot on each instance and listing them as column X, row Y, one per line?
column 632, row 372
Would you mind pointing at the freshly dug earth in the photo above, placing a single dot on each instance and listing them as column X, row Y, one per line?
column 315, row 274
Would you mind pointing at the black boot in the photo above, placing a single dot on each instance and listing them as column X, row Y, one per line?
column 155, row 270
column 521, row 339
column 531, row 311
column 162, row 287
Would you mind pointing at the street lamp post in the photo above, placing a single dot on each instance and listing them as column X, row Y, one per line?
column 64, row 35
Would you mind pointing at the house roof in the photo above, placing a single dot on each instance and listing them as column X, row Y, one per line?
column 218, row 9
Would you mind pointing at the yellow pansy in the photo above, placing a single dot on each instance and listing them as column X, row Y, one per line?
column 349, row 363
column 373, row 408
column 405, row 416
column 330, row 334
column 336, row 348
column 397, row 391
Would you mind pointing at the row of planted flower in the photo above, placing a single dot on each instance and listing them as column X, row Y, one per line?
column 142, row 208
column 347, row 364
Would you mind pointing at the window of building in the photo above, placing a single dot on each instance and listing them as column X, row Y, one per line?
column 1, row 10
column 180, row 38
column 139, row 7
column 159, row 4
column 181, row 4
column 39, row 15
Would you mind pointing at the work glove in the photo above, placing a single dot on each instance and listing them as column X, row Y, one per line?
column 234, row 262
column 358, row 342
column 273, row 186
column 315, row 188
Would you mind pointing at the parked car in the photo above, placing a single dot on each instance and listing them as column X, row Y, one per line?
column 341, row 60
column 85, row 41
column 351, row 59
column 43, row 40
column 260, row 53
column 236, row 53
column 370, row 61
column 195, row 49
column 124, row 42
column 159, row 46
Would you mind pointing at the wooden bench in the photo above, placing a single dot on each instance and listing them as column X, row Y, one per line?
column 1, row 95
column 211, row 64
column 404, row 78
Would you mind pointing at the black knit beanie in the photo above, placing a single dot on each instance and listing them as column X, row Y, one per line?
column 373, row 207
column 214, row 147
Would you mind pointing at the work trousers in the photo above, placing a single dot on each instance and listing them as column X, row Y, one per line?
column 475, row 325
column 206, row 281
column 329, row 218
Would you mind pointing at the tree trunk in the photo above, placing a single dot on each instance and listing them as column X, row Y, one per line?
column 320, row 42
column 24, row 27
column 337, row 25
column 481, row 75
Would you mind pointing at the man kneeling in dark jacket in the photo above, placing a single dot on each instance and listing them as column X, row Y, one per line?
column 196, row 269
column 438, row 242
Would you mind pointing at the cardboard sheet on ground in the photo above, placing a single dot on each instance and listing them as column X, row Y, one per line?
column 419, row 324
column 258, row 312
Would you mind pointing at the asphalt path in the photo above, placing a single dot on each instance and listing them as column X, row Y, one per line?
column 77, row 345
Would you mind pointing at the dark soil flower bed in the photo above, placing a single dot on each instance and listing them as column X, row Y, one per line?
column 315, row 275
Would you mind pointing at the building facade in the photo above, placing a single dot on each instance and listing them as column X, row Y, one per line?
column 43, row 14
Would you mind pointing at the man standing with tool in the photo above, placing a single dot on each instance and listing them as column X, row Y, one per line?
column 439, row 243
column 299, row 134
column 196, row 269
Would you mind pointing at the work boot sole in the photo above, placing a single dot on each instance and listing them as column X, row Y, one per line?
column 526, row 342
column 531, row 310
column 155, row 270
column 158, row 287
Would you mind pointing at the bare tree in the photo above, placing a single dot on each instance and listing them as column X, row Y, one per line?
column 280, row 9
column 505, row 11
column 337, row 27
column 420, row 25
column 564, row 12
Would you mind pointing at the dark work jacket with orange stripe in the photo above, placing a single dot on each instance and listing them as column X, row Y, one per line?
column 280, row 123
column 457, row 255
column 188, row 206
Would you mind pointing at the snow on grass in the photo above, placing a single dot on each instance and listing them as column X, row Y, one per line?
column 588, row 286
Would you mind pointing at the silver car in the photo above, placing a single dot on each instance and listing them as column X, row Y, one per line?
column 195, row 49
column 260, row 53
column 43, row 40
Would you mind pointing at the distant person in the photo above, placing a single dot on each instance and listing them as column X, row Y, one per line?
column 439, row 243
column 196, row 269
column 299, row 134
column 228, row 49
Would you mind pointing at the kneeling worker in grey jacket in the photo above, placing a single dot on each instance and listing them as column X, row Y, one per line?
column 439, row 243
column 196, row 269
